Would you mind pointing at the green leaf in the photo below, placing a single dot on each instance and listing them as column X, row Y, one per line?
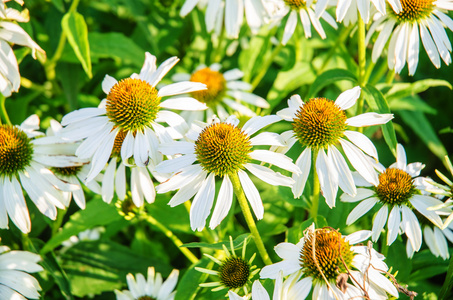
column 237, row 243
column 288, row 81
column 401, row 90
column 188, row 285
column 75, row 28
column 117, row 46
column 414, row 103
column 329, row 77
column 94, row 267
column 379, row 104
column 96, row 213
column 58, row 5
column 422, row 127
column 250, row 59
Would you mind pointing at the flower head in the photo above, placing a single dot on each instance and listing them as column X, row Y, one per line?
column 298, row 9
column 153, row 288
column 15, row 282
column 225, row 92
column 222, row 149
column 326, row 260
column 319, row 125
column 24, row 163
column 127, row 122
column 234, row 272
column 396, row 192
column 425, row 19
column 232, row 11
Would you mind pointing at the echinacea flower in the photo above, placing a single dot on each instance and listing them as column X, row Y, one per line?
column 425, row 19
column 25, row 163
column 72, row 174
column 290, row 289
column 15, row 282
column 233, row 10
column 222, row 149
column 319, row 125
column 234, row 272
column 224, row 94
column 399, row 198
column 152, row 288
column 323, row 257
column 303, row 9
column 12, row 33
column 131, row 112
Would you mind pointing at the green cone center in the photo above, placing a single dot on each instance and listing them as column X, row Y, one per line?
column 234, row 272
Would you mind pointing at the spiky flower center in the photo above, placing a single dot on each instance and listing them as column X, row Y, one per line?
column 119, row 139
column 215, row 83
column 234, row 272
column 414, row 10
column 325, row 254
column 296, row 4
column 16, row 150
column 68, row 171
column 146, row 297
column 319, row 123
column 222, row 148
column 132, row 104
column 395, row 187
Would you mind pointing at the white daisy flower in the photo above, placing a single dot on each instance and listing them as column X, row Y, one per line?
column 153, row 287
column 234, row 10
column 222, row 149
column 290, row 289
column 298, row 9
column 225, row 91
column 337, row 261
column 399, row 197
column 425, row 19
column 320, row 125
column 11, row 33
column 347, row 11
column 74, row 174
column 15, row 282
column 133, row 111
column 24, row 164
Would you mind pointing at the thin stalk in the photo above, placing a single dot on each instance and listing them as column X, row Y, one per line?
column 448, row 283
column 3, row 112
column 57, row 224
column 390, row 76
column 362, row 65
column 316, row 189
column 187, row 253
column 384, row 246
column 239, row 192
column 266, row 64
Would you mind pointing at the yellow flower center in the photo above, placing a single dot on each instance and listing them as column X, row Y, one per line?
column 414, row 10
column 296, row 4
column 222, row 148
column 146, row 298
column 215, row 83
column 16, row 151
column 119, row 139
column 132, row 104
column 68, row 171
column 319, row 123
column 395, row 187
column 325, row 254
column 234, row 272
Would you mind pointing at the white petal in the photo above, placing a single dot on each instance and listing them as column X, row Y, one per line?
column 413, row 50
column 15, row 204
column 179, row 180
column 176, row 164
column 177, row 148
column 361, row 209
column 278, row 159
column 401, row 161
column 361, row 194
column 345, row 180
column 258, row 291
column 304, row 164
column 258, row 122
column 234, row 15
column 328, row 177
column 267, row 138
column 187, row 7
column 360, row 162
column 363, row 142
column 108, row 83
column 393, row 224
column 268, row 175
column 224, row 201
column 81, row 114
column 348, row 98
column 288, row 251
column 183, row 103
column 252, row 194
column 411, row 227
column 202, row 203
column 379, row 222
column 289, row 27
column 107, row 181
column 180, row 88
column 163, row 69
column 369, row 119
column 249, row 98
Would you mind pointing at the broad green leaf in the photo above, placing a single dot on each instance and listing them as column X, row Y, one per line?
column 96, row 213
column 237, row 243
column 58, row 5
column 188, row 285
column 413, row 103
column 117, row 46
column 422, row 127
column 329, row 77
column 403, row 89
column 425, row 265
column 75, row 28
column 287, row 81
column 94, row 267
column 379, row 104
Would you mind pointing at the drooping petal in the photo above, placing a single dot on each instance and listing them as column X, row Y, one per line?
column 224, row 201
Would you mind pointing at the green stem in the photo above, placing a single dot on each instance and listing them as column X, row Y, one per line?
column 57, row 224
column 316, row 189
column 266, row 64
column 190, row 256
column 448, row 283
column 362, row 65
column 3, row 112
column 239, row 192
column 390, row 76
column 384, row 246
